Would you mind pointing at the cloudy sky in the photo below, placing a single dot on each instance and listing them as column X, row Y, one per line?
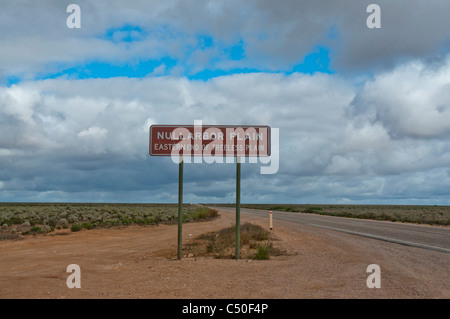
column 363, row 114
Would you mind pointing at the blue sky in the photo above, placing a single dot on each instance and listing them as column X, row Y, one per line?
column 318, row 60
column 363, row 114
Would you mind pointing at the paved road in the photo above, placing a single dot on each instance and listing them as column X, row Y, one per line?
column 423, row 236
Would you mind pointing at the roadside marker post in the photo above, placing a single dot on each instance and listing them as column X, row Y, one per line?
column 270, row 221
column 206, row 141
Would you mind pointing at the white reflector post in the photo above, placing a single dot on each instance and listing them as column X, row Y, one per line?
column 270, row 221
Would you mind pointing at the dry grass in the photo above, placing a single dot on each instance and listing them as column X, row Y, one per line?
column 255, row 243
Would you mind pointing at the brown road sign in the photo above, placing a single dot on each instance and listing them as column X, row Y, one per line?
column 210, row 140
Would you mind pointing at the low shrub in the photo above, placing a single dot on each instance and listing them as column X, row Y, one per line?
column 87, row 225
column 200, row 214
column 35, row 229
column 75, row 227
column 262, row 253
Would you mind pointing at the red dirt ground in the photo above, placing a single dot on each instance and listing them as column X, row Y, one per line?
column 140, row 262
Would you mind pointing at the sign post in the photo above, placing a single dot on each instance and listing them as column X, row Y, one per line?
column 180, row 205
column 209, row 141
column 238, row 207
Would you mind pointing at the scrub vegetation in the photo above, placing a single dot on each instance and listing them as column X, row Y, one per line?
column 40, row 218
column 255, row 243
column 432, row 215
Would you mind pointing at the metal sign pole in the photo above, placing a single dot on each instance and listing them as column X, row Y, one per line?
column 238, row 206
column 180, row 205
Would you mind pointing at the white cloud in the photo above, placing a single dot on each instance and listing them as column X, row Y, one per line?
column 412, row 100
column 94, row 132
column 337, row 140
column 19, row 102
column 343, row 165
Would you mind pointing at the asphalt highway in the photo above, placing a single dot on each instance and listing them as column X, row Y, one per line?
column 423, row 236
